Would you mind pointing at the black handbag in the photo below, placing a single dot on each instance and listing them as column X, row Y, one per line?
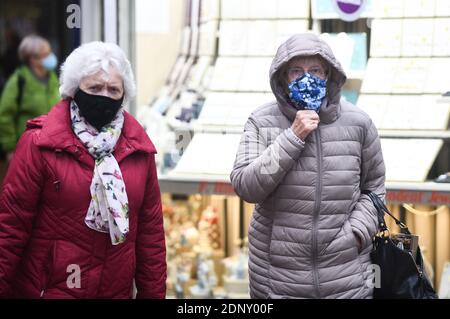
column 402, row 276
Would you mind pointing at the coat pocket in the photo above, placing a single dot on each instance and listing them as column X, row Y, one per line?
column 64, row 274
column 343, row 243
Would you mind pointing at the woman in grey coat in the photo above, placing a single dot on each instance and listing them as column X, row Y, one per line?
column 304, row 160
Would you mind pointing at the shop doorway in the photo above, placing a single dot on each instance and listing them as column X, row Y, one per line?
column 19, row 18
column 47, row 18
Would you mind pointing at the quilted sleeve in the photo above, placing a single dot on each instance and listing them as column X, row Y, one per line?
column 259, row 168
column 19, row 198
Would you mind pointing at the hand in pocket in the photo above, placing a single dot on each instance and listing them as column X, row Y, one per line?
column 358, row 242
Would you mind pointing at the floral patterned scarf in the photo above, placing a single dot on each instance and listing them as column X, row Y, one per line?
column 108, row 210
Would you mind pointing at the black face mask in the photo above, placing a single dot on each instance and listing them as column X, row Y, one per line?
column 96, row 109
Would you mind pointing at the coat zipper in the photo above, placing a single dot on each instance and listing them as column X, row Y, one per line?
column 48, row 272
column 316, row 213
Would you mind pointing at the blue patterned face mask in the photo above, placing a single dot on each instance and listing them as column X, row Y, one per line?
column 308, row 91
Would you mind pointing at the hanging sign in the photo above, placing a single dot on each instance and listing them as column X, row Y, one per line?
column 349, row 10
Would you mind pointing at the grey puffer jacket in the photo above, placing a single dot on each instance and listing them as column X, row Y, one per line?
column 309, row 205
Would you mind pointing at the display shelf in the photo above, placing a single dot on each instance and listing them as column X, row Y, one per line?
column 206, row 154
column 427, row 193
column 402, row 93
column 410, row 8
column 195, row 184
column 230, row 109
column 406, row 75
column 407, row 112
column 198, row 127
column 241, row 74
column 409, row 160
column 416, row 134
column 421, row 37
column 241, row 37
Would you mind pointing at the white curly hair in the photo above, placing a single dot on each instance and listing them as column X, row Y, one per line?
column 90, row 58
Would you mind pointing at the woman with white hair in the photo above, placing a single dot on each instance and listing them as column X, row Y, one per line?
column 29, row 92
column 80, row 208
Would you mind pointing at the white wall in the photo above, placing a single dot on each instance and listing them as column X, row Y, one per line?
column 159, row 25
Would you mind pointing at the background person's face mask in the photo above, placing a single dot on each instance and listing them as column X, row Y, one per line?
column 50, row 62
column 307, row 92
column 98, row 110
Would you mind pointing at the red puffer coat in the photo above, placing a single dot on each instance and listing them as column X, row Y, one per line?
column 44, row 240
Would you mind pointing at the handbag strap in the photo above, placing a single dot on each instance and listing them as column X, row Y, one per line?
column 382, row 209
